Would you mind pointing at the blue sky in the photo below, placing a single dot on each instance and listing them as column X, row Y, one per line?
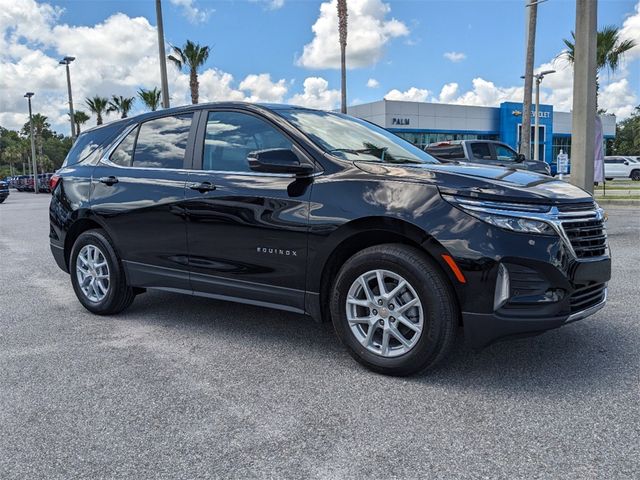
column 254, row 39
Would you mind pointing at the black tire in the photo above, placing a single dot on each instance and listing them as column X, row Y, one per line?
column 119, row 295
column 434, row 291
column 635, row 175
column 609, row 179
column 3, row 199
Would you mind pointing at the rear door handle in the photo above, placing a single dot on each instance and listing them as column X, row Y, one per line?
column 109, row 180
column 203, row 187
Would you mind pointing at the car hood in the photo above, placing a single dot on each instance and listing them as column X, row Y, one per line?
column 485, row 182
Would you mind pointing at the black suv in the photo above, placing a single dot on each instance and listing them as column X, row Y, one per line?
column 4, row 190
column 326, row 215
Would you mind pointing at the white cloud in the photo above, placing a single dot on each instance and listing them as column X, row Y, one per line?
column 191, row 12
column 618, row 98
column 631, row 31
column 448, row 93
column 454, row 57
column 316, row 94
column 413, row 94
column 369, row 30
column 373, row 83
column 263, row 89
column 271, row 4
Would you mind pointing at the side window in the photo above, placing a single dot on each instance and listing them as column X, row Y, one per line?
column 231, row 136
column 123, row 155
column 505, row 154
column 481, row 151
column 162, row 142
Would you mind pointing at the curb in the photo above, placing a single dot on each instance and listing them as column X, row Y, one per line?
column 618, row 203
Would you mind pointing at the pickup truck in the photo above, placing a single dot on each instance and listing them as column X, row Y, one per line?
column 485, row 152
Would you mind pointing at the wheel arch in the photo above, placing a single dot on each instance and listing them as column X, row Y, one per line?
column 78, row 227
column 362, row 233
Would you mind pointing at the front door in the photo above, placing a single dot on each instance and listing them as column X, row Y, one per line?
column 247, row 231
column 139, row 195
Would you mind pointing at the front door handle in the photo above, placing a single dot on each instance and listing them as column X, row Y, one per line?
column 109, row 180
column 203, row 187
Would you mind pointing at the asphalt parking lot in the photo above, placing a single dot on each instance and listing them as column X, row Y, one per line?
column 180, row 387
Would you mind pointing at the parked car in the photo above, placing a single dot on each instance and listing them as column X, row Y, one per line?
column 327, row 215
column 43, row 182
column 621, row 167
column 485, row 152
column 24, row 183
column 4, row 190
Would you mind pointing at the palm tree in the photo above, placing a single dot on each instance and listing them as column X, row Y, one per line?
column 342, row 30
column 193, row 56
column 97, row 105
column 610, row 49
column 120, row 104
column 79, row 118
column 151, row 98
column 40, row 125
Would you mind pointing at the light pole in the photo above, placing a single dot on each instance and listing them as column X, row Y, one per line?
column 163, row 57
column 28, row 96
column 66, row 61
column 536, row 135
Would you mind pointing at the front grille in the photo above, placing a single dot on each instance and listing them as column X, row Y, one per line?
column 587, row 296
column 587, row 236
column 576, row 207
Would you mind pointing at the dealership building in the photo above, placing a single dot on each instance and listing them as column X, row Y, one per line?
column 423, row 123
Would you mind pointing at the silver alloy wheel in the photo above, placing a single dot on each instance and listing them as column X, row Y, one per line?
column 384, row 313
column 92, row 271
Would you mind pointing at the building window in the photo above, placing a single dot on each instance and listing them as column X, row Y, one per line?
column 422, row 139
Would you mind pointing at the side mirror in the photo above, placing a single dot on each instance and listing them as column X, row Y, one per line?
column 626, row 162
column 520, row 158
column 277, row 160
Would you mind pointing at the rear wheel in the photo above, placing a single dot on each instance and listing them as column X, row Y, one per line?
column 635, row 175
column 97, row 274
column 394, row 310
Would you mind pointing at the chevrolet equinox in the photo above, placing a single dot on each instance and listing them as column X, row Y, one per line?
column 330, row 216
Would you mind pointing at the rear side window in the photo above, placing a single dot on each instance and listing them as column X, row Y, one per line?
column 89, row 142
column 162, row 142
column 452, row 152
column 123, row 155
column 481, row 151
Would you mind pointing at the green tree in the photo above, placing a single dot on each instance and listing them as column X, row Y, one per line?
column 610, row 49
column 151, row 98
column 342, row 31
column 79, row 118
column 627, row 141
column 192, row 56
column 98, row 106
column 120, row 104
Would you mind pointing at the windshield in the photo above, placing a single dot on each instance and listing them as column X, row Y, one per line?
column 354, row 139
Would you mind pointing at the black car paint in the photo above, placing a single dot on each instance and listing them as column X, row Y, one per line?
column 4, row 190
column 236, row 242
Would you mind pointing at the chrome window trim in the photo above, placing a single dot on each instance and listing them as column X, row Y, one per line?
column 552, row 216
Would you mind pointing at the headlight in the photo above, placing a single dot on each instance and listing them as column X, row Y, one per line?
column 514, row 223
column 509, row 216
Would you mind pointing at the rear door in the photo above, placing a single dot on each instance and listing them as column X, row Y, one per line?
column 247, row 231
column 139, row 193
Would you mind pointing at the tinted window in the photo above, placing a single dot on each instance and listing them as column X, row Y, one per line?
column 162, row 142
column 447, row 153
column 481, row 151
column 231, row 136
column 124, row 153
column 88, row 143
column 505, row 154
column 354, row 139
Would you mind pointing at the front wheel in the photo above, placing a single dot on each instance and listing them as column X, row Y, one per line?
column 97, row 275
column 635, row 175
column 394, row 310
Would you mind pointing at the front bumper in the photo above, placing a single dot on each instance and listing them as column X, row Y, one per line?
column 482, row 329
